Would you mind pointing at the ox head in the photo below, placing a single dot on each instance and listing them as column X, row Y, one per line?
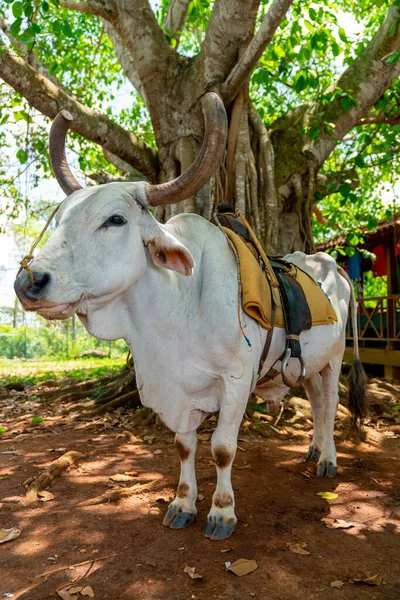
column 105, row 235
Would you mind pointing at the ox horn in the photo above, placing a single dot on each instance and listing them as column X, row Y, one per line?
column 63, row 173
column 184, row 186
column 205, row 163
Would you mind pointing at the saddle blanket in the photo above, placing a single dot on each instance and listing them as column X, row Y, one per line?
column 256, row 290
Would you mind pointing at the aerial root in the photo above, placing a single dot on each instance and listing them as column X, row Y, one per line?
column 42, row 481
column 116, row 495
column 131, row 398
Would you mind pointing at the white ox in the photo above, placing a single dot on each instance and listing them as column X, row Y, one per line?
column 171, row 292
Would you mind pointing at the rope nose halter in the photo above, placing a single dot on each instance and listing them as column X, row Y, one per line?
column 25, row 262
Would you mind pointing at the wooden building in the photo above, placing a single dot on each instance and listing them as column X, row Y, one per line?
column 378, row 316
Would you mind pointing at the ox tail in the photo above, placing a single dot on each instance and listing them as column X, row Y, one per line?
column 357, row 379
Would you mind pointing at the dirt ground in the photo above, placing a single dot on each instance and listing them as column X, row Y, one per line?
column 120, row 548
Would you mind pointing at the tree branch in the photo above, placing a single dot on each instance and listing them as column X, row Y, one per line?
column 255, row 49
column 26, row 54
column 365, row 80
column 175, row 18
column 49, row 99
column 93, row 7
column 378, row 119
column 229, row 30
column 125, row 60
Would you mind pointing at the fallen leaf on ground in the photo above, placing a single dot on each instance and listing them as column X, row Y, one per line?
column 327, row 495
column 307, row 474
column 337, row 584
column 297, row 547
column 6, row 535
column 373, row 580
column 158, row 451
column 36, row 420
column 75, row 589
column 45, row 496
column 4, row 477
column 87, row 591
column 154, row 511
column 225, row 549
column 242, row 566
column 242, row 467
column 151, row 563
column 149, row 438
column 191, row 571
column 121, row 477
column 200, row 497
column 336, row 523
column 298, row 459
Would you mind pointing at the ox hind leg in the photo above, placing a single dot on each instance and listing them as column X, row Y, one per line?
column 323, row 394
column 182, row 511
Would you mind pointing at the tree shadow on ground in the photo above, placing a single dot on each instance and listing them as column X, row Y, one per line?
column 276, row 503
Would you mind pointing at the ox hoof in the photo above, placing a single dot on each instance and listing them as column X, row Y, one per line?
column 313, row 454
column 176, row 518
column 218, row 528
column 326, row 468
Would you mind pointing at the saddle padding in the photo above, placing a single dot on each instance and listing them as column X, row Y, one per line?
column 256, row 291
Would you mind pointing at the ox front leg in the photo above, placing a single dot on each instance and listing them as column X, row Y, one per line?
column 182, row 511
column 221, row 521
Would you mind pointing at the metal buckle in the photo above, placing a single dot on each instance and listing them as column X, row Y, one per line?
column 285, row 362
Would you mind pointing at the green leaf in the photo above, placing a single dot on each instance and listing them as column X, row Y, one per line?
column 22, row 156
column 20, row 115
column 345, row 102
column 28, row 10
column 300, row 81
column 359, row 161
column 327, row 495
column 15, row 27
column 17, row 9
column 312, row 13
column 342, row 34
column 309, row 25
column 2, row 429
column 318, row 195
column 392, row 58
column 344, row 189
column 36, row 420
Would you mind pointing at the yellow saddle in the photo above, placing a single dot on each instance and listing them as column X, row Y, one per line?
column 256, row 290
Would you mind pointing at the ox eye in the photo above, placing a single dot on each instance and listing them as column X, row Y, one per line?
column 114, row 221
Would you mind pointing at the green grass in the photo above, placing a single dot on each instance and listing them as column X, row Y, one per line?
column 33, row 371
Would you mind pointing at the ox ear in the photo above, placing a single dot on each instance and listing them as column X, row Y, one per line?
column 166, row 251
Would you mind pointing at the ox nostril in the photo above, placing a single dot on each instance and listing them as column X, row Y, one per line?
column 41, row 281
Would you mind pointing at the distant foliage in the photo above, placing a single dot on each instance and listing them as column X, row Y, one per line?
column 53, row 342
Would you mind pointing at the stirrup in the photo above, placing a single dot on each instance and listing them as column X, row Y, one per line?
column 285, row 362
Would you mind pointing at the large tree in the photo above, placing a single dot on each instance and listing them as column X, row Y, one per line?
column 312, row 112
